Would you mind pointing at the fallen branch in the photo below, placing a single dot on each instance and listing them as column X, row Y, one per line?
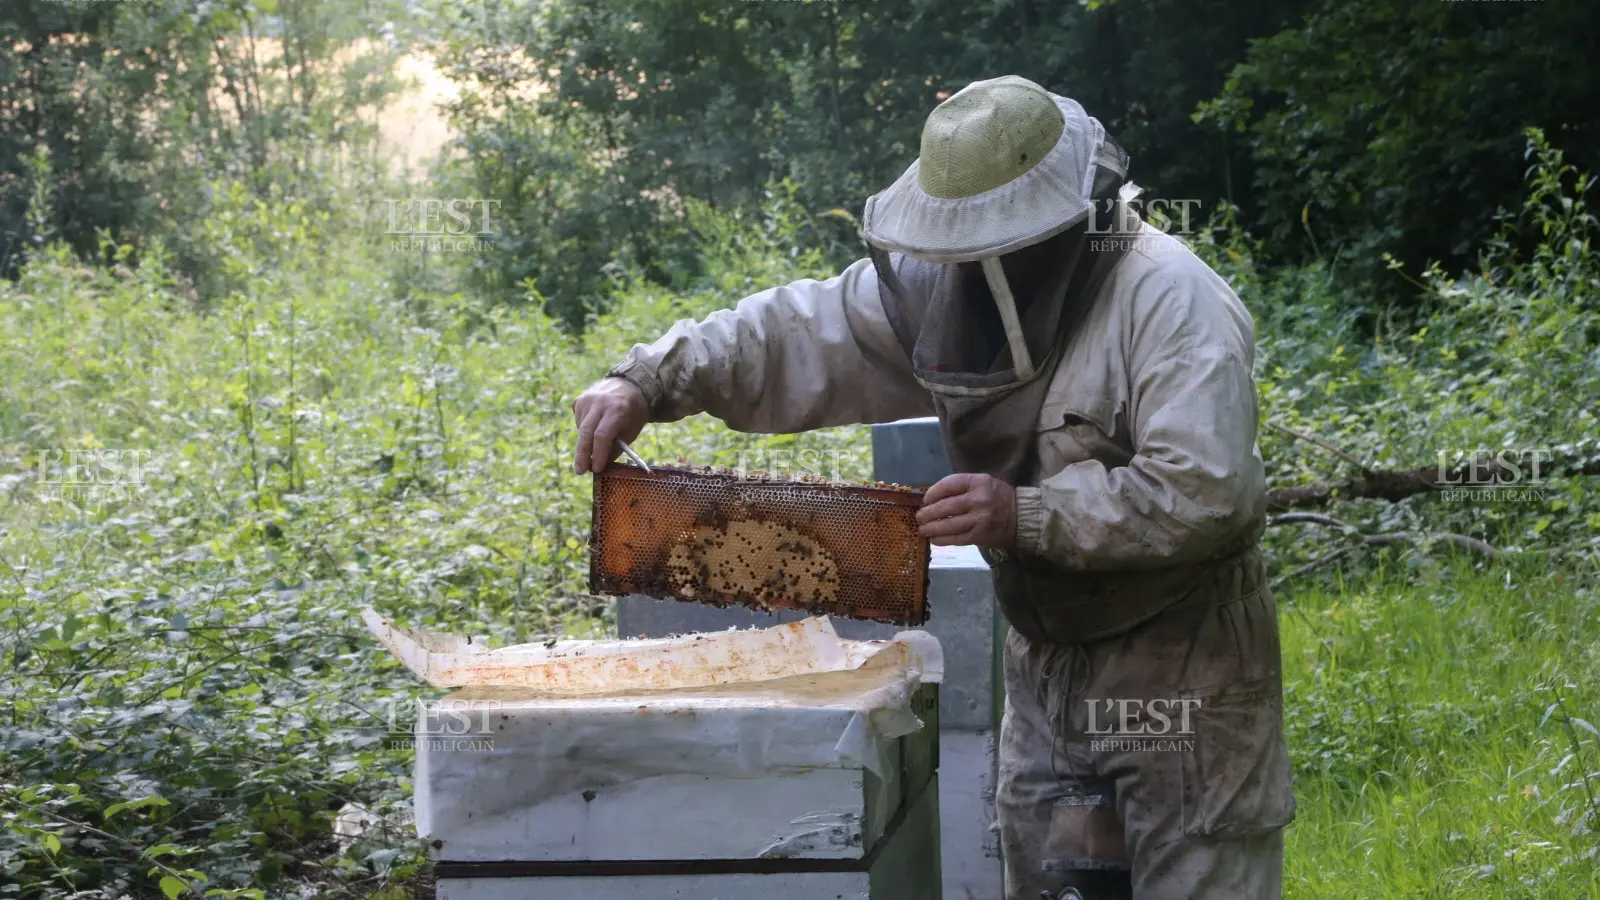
column 1313, row 565
column 1389, row 537
column 1503, row 470
column 1480, row 547
column 1307, row 519
column 1470, row 543
column 1385, row 539
column 1319, row 442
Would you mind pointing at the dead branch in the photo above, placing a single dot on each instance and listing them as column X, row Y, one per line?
column 1307, row 519
column 1313, row 565
column 1318, row 442
column 1385, row 539
column 1480, row 547
column 1502, row 470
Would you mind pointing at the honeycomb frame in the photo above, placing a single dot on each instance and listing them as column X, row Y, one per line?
column 717, row 538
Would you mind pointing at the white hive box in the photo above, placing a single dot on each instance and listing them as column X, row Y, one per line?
column 905, row 867
column 968, row 627
column 818, row 779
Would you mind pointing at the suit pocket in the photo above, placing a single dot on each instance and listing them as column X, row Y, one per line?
column 1076, row 429
column 1236, row 777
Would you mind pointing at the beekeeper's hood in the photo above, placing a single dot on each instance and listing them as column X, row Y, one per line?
column 1005, row 164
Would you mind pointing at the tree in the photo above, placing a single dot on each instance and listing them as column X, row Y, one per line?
column 679, row 98
column 136, row 106
column 1397, row 127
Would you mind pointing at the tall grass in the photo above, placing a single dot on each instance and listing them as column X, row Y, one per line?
column 1443, row 736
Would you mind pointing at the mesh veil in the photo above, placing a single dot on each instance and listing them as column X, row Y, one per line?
column 949, row 328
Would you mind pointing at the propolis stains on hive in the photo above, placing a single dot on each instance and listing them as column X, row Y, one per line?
column 712, row 537
column 770, row 563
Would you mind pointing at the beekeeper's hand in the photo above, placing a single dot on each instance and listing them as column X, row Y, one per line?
column 969, row 509
column 612, row 409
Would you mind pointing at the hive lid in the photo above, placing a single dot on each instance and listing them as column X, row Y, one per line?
column 580, row 668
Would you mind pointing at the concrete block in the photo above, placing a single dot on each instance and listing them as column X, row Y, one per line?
column 969, row 844
column 909, row 452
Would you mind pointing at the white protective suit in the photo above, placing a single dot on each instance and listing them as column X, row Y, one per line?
column 1145, row 497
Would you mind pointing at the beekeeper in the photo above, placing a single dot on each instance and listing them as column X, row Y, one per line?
column 1093, row 381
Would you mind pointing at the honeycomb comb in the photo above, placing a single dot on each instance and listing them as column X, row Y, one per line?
column 716, row 538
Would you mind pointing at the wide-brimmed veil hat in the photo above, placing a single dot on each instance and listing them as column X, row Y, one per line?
column 1004, row 164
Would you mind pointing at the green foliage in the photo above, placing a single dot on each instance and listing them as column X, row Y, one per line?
column 585, row 199
column 1143, row 66
column 189, row 696
column 567, row 226
column 651, row 102
column 1504, row 357
column 137, row 105
column 1443, row 736
column 1383, row 127
column 1340, row 130
column 715, row 101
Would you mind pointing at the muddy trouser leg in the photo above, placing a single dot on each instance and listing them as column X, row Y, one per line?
column 1150, row 765
column 1058, row 825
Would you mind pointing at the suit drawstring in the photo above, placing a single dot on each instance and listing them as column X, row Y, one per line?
column 1064, row 660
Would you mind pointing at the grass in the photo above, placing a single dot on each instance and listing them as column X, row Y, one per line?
column 1442, row 736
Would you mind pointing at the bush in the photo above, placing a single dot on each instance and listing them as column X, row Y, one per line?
column 138, row 106
column 191, row 694
column 1504, row 357
column 1379, row 127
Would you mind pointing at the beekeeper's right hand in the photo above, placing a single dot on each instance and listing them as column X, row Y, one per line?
column 612, row 409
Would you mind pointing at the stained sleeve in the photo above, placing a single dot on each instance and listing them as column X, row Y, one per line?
column 806, row 355
column 1195, row 485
